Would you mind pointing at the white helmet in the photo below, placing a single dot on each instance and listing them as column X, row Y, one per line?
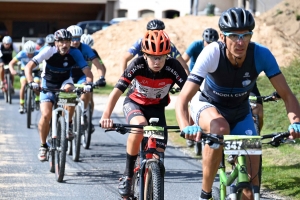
column 75, row 30
column 50, row 38
column 87, row 39
column 6, row 40
column 29, row 47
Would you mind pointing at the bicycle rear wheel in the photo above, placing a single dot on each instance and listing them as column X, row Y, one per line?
column 153, row 189
column 51, row 151
column 86, row 138
column 61, row 149
column 28, row 106
column 9, row 88
column 76, row 142
column 135, row 180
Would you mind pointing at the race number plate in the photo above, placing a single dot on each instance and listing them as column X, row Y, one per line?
column 67, row 99
column 242, row 145
column 154, row 132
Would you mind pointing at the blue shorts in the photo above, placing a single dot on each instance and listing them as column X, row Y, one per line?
column 80, row 80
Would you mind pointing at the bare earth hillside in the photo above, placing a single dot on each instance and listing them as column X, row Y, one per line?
column 278, row 29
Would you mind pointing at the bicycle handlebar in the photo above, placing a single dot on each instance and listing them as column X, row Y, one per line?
column 272, row 97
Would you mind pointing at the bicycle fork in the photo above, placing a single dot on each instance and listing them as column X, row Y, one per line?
column 54, row 120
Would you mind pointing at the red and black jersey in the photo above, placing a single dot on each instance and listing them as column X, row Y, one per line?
column 149, row 88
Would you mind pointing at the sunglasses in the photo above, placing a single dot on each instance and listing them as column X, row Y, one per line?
column 76, row 39
column 235, row 36
column 159, row 58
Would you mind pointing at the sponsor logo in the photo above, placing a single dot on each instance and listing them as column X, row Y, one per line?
column 249, row 132
column 65, row 64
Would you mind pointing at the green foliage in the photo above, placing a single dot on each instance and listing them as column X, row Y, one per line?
column 298, row 17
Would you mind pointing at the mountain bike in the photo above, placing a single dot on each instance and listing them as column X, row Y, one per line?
column 242, row 146
column 7, row 87
column 149, row 171
column 80, row 126
column 30, row 104
column 59, row 129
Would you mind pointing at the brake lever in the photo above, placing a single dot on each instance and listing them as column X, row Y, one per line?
column 121, row 130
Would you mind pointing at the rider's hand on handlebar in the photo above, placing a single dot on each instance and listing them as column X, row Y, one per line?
column 101, row 82
column 13, row 72
column 294, row 130
column 87, row 87
column 192, row 133
column 33, row 85
column 106, row 123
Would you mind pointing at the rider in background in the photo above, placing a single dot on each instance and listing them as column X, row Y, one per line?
column 87, row 39
column 230, row 68
column 151, row 77
column 6, row 53
column 49, row 41
column 56, row 75
column 39, row 43
column 209, row 35
column 88, row 54
column 24, row 57
column 135, row 49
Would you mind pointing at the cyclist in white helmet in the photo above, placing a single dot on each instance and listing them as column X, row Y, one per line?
column 49, row 41
column 24, row 56
column 6, row 50
column 89, row 55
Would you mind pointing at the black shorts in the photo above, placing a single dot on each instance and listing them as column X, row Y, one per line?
column 132, row 109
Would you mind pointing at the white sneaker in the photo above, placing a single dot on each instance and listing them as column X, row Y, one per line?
column 1, row 84
column 21, row 109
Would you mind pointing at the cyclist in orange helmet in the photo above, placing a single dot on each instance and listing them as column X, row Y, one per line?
column 152, row 75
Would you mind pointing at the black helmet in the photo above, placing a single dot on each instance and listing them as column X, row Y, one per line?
column 62, row 34
column 40, row 41
column 235, row 19
column 155, row 24
column 210, row 35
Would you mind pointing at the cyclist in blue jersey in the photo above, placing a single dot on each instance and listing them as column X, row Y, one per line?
column 230, row 69
column 209, row 35
column 24, row 57
column 136, row 48
column 89, row 55
column 40, row 42
column 6, row 54
column 56, row 74
column 152, row 76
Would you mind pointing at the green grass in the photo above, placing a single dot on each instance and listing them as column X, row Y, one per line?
column 281, row 166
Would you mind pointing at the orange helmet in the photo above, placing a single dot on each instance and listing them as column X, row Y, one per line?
column 156, row 42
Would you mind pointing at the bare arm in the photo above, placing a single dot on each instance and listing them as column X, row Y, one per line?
column 11, row 66
column 126, row 57
column 105, row 120
column 28, row 71
column 185, row 57
column 291, row 102
column 181, row 107
column 88, row 73
column 184, row 65
column 101, row 70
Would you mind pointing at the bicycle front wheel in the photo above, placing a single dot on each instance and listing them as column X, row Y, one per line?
column 50, row 143
column 61, row 149
column 76, row 142
column 9, row 88
column 86, row 138
column 153, row 189
column 28, row 106
column 136, row 180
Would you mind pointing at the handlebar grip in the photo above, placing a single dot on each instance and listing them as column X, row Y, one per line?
column 182, row 134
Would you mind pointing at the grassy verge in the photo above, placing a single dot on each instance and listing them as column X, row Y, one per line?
column 280, row 165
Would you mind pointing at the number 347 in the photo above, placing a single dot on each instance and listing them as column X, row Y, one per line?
column 236, row 145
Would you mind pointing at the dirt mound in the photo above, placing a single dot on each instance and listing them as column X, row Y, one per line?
column 278, row 29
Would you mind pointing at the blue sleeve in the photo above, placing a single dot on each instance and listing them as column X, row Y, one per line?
column 136, row 48
column 194, row 47
column 78, row 57
column 20, row 55
column 87, row 52
column 265, row 61
column 174, row 52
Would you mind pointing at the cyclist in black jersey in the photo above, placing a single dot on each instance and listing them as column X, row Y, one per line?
column 230, row 69
column 56, row 74
column 154, row 24
column 152, row 76
column 6, row 54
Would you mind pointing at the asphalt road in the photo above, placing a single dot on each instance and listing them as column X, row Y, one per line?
column 95, row 176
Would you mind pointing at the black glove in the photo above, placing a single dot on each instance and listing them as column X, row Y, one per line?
column 101, row 82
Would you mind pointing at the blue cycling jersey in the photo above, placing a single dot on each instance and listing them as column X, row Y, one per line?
column 193, row 52
column 137, row 49
column 23, row 58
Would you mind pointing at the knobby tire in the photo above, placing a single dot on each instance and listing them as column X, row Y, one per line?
column 61, row 148
column 51, row 152
column 76, row 142
column 153, row 189
column 28, row 106
column 9, row 88
column 86, row 139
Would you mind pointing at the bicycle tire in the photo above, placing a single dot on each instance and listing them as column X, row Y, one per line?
column 256, row 125
column 215, row 193
column 76, row 142
column 9, row 88
column 135, row 181
column 198, row 148
column 87, row 136
column 61, row 149
column 51, row 151
column 153, row 189
column 28, row 107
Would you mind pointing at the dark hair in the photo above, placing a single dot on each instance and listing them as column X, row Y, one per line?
column 155, row 24
column 235, row 19
column 210, row 35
